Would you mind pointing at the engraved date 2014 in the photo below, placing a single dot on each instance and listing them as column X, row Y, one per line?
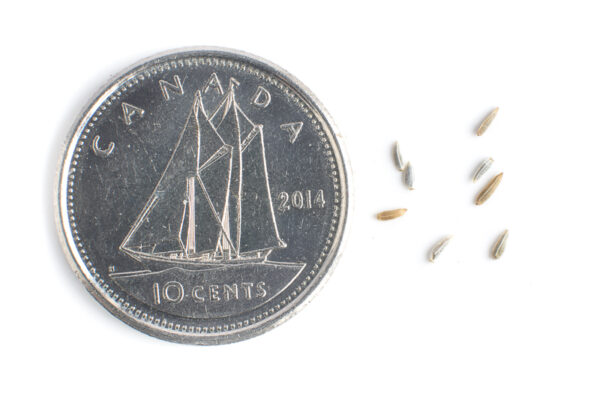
column 300, row 200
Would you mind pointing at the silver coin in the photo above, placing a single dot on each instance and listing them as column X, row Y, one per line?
column 203, row 196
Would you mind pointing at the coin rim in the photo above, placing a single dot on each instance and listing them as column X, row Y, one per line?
column 266, row 324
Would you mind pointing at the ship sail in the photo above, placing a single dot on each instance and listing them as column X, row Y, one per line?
column 212, row 203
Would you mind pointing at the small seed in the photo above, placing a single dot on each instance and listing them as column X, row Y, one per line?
column 391, row 214
column 487, row 121
column 438, row 248
column 500, row 244
column 399, row 160
column 489, row 189
column 482, row 169
column 409, row 176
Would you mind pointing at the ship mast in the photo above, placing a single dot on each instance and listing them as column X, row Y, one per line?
column 190, row 244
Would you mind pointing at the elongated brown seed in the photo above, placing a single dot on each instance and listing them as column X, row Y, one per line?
column 391, row 214
column 488, row 189
column 487, row 121
column 399, row 160
column 500, row 244
column 409, row 176
column 438, row 248
column 482, row 168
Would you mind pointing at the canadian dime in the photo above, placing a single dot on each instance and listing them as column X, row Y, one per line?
column 203, row 196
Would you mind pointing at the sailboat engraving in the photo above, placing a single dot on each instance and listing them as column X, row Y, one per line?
column 212, row 205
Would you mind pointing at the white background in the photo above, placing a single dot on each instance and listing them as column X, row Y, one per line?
column 388, row 324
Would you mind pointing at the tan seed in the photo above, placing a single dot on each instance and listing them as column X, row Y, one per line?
column 391, row 214
column 487, row 121
column 500, row 244
column 489, row 189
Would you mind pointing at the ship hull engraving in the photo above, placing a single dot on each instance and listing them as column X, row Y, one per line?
column 211, row 292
